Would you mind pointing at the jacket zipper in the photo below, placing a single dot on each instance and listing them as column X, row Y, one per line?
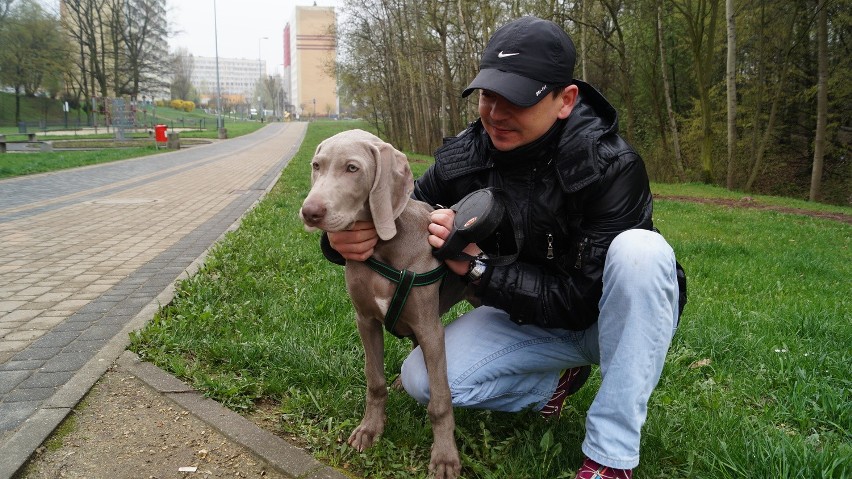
column 549, row 246
column 582, row 249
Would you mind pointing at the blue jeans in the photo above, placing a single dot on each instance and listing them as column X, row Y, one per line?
column 493, row 363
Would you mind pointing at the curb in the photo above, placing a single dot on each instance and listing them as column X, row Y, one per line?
column 276, row 452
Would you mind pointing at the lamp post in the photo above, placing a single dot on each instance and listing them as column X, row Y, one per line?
column 260, row 78
column 281, row 92
column 220, row 122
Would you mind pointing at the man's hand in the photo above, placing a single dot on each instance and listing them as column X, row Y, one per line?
column 356, row 243
column 439, row 230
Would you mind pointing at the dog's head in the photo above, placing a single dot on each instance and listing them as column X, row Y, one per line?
column 355, row 177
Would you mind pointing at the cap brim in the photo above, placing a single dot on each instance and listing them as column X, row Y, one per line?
column 519, row 90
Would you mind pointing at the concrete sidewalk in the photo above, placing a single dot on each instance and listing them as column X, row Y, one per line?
column 88, row 255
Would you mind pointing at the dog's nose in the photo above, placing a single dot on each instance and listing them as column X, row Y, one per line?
column 313, row 212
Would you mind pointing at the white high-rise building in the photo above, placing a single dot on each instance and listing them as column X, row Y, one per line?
column 237, row 76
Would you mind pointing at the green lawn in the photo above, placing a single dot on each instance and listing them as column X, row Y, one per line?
column 19, row 164
column 757, row 383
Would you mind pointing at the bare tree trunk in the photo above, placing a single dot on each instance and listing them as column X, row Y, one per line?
column 625, row 67
column 667, row 90
column 584, row 38
column 764, row 142
column 759, row 150
column 732, row 92
column 701, row 30
column 822, row 100
column 449, row 114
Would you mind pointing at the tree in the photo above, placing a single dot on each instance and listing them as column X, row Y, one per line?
column 822, row 99
column 119, row 46
column 584, row 41
column 140, row 45
column 731, row 81
column 87, row 24
column 5, row 8
column 659, row 62
column 182, row 65
column 700, row 18
column 670, row 113
column 33, row 51
column 770, row 64
column 625, row 67
column 270, row 88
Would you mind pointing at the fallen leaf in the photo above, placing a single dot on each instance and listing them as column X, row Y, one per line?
column 700, row 363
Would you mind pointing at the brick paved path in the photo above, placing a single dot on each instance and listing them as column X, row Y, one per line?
column 87, row 254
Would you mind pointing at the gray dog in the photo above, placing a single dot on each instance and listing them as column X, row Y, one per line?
column 357, row 176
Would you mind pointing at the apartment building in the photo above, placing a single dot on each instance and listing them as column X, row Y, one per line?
column 308, row 84
column 310, row 49
column 238, row 77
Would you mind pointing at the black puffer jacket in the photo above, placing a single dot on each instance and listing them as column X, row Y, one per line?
column 575, row 188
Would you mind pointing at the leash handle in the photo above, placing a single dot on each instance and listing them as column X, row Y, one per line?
column 478, row 215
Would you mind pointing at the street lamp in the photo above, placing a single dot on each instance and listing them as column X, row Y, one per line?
column 282, row 90
column 260, row 78
column 220, row 123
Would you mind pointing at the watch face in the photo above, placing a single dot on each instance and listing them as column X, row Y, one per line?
column 476, row 271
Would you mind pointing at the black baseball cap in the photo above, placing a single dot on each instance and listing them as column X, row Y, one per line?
column 524, row 60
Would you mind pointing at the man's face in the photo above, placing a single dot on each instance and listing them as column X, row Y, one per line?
column 511, row 126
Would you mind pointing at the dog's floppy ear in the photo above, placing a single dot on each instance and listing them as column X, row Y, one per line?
column 391, row 189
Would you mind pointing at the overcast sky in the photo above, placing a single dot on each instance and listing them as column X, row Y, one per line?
column 241, row 26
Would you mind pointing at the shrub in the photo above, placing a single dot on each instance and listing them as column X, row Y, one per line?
column 183, row 105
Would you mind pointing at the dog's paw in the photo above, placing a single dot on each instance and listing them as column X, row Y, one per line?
column 363, row 437
column 445, row 463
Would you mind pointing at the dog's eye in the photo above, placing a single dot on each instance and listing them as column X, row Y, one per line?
column 315, row 166
column 352, row 168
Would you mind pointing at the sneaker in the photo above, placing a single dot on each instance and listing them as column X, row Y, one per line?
column 570, row 382
column 592, row 470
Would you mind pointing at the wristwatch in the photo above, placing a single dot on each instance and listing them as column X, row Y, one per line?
column 477, row 268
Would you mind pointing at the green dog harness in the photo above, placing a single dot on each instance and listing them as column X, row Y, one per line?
column 404, row 280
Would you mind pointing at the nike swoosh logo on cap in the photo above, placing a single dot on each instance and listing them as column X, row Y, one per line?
column 504, row 55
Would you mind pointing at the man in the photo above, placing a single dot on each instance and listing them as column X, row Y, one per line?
column 593, row 282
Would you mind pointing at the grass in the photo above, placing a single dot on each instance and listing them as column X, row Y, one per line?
column 20, row 164
column 41, row 110
column 756, row 383
column 57, row 440
column 48, row 111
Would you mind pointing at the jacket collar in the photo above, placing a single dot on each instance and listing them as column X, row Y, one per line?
column 541, row 150
column 576, row 161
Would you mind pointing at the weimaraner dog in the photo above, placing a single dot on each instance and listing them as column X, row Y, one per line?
column 357, row 176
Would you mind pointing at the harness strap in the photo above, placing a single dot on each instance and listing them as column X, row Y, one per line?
column 404, row 280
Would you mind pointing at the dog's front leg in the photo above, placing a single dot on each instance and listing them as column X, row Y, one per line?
column 373, row 424
column 445, row 463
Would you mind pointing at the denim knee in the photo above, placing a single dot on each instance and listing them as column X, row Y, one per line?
column 640, row 250
column 415, row 379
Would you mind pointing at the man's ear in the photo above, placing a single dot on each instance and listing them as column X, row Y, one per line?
column 569, row 99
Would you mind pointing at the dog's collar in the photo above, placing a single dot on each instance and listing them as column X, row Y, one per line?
column 404, row 280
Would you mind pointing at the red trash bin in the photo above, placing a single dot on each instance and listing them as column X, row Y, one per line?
column 160, row 133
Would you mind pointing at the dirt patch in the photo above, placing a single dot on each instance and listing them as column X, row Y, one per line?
column 749, row 202
column 123, row 428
